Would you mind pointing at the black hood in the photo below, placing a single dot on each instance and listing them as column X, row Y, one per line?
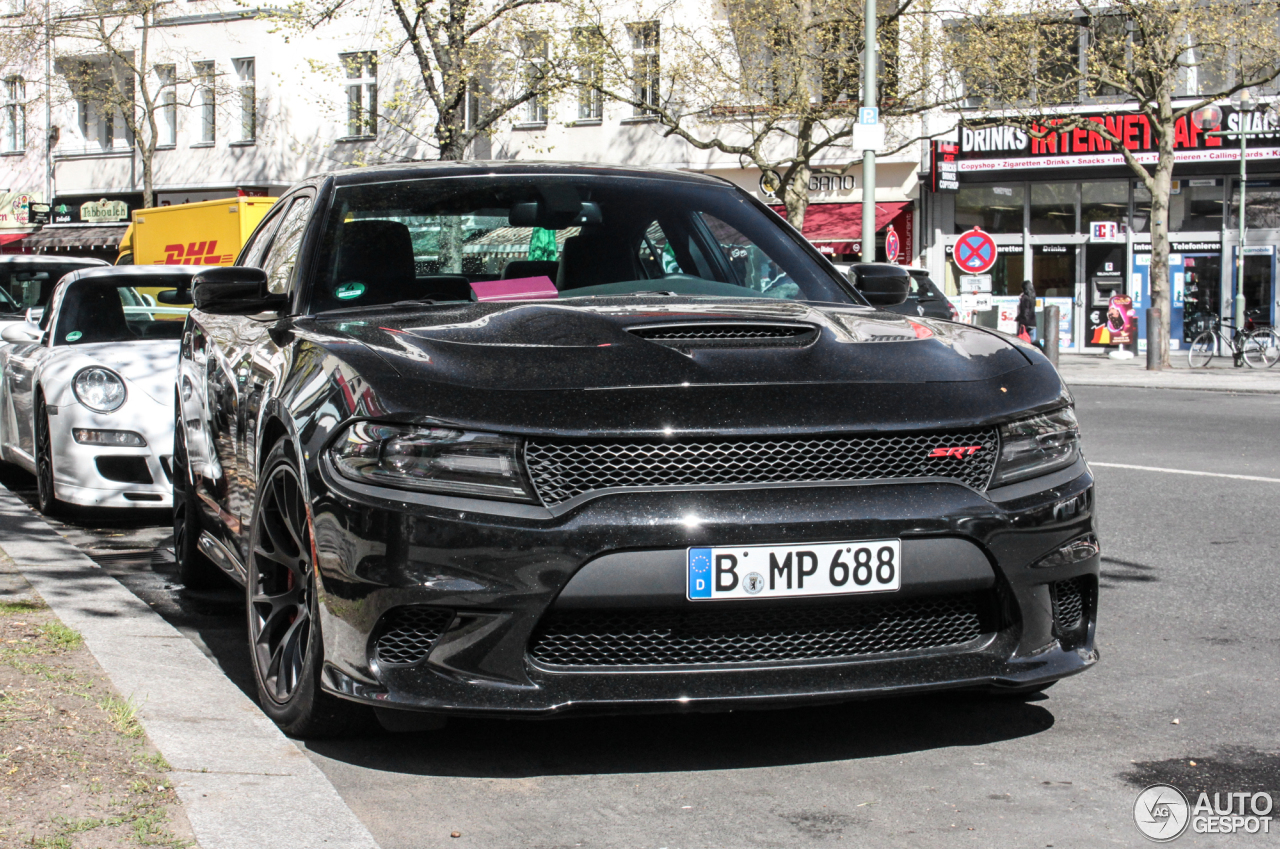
column 695, row 365
column 540, row 346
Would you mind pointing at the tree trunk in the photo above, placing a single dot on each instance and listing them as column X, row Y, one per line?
column 1163, row 180
column 795, row 195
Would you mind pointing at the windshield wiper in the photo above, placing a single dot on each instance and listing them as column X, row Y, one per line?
column 394, row 305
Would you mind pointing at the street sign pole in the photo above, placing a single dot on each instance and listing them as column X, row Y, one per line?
column 869, row 156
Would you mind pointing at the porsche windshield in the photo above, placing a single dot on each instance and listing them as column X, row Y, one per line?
column 528, row 237
column 91, row 311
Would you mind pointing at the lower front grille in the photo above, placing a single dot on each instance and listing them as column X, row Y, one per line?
column 744, row 635
column 124, row 469
column 1069, row 601
column 406, row 634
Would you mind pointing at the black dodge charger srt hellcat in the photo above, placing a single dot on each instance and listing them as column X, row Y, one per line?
column 522, row 439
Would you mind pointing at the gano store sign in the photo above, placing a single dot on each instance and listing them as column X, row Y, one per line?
column 1044, row 146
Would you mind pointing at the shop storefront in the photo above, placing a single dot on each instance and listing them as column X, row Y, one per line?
column 1074, row 220
column 86, row 226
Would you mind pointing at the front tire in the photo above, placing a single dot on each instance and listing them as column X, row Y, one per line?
column 195, row 570
column 1202, row 349
column 46, row 494
column 281, row 600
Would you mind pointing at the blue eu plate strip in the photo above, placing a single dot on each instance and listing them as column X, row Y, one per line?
column 699, row 573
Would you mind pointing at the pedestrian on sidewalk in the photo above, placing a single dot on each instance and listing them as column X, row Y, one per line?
column 1027, row 311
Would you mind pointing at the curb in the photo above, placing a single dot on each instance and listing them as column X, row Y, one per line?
column 1138, row 383
column 236, row 773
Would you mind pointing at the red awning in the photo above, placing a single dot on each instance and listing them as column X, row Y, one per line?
column 6, row 238
column 842, row 222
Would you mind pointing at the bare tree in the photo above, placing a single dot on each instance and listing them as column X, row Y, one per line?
column 776, row 83
column 475, row 62
column 1165, row 60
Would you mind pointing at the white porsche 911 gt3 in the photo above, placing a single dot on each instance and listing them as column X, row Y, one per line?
column 86, row 401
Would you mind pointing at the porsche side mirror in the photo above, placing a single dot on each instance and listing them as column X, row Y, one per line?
column 882, row 284
column 234, row 290
column 20, row 333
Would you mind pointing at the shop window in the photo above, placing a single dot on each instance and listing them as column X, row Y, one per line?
column 1261, row 204
column 1053, row 209
column 1103, row 202
column 1006, row 275
column 994, row 208
column 1190, row 208
column 1053, row 271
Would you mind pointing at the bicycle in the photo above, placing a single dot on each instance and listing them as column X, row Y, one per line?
column 1257, row 347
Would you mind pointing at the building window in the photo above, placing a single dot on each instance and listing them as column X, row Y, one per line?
column 645, row 67
column 15, row 114
column 535, row 46
column 589, row 42
column 12, row 7
column 206, row 80
column 245, row 78
column 994, row 208
column 362, row 93
column 1053, row 209
column 99, row 96
column 167, row 106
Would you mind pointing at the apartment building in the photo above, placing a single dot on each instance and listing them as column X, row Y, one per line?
column 248, row 105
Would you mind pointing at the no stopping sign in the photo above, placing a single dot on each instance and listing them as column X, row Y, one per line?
column 975, row 252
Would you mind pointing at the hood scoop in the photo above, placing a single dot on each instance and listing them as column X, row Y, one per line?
column 736, row 334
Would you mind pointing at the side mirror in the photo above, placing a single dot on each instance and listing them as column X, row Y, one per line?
column 20, row 333
column 234, row 290
column 882, row 286
column 174, row 297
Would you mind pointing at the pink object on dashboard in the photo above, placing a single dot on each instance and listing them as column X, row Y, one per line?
column 519, row 289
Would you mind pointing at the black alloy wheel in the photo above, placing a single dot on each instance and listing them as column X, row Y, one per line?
column 195, row 570
column 46, row 495
column 282, row 604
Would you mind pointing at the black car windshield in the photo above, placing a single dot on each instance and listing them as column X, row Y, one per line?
column 530, row 237
column 92, row 311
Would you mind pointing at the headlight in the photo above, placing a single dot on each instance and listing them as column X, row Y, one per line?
column 1037, row 446
column 432, row 459
column 99, row 389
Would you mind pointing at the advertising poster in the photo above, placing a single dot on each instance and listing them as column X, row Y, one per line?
column 1116, row 328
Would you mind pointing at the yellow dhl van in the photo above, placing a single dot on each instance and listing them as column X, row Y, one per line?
column 206, row 233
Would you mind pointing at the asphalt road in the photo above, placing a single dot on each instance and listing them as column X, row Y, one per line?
column 1190, row 671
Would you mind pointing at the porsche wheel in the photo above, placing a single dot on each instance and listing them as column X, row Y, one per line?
column 46, row 495
column 282, row 605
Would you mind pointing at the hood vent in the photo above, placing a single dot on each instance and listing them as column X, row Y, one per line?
column 729, row 335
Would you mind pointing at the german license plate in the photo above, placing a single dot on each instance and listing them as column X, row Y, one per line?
column 786, row 571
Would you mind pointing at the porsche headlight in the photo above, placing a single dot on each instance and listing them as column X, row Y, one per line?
column 432, row 459
column 1037, row 445
column 99, row 389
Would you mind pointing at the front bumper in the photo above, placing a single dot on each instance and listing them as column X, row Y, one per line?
column 80, row 476
column 497, row 578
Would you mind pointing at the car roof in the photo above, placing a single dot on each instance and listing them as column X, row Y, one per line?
column 45, row 259
column 418, row 170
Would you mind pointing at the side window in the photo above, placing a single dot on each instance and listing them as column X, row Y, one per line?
column 283, row 255
column 657, row 257
column 259, row 241
column 751, row 266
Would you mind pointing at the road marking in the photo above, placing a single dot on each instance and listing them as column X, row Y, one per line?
column 1184, row 472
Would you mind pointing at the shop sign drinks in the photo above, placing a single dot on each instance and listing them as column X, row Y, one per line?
column 1045, row 145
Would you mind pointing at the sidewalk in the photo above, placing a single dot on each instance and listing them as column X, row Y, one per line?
column 243, row 784
column 1221, row 376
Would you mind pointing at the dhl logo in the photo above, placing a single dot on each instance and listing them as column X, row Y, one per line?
column 196, row 253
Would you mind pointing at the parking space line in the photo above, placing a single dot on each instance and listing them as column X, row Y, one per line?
column 1183, row 472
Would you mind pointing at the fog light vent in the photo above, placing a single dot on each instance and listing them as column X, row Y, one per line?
column 407, row 634
column 1069, row 601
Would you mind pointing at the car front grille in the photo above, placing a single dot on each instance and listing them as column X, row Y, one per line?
column 1069, row 602
column 747, row 635
column 563, row 469
column 406, row 634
